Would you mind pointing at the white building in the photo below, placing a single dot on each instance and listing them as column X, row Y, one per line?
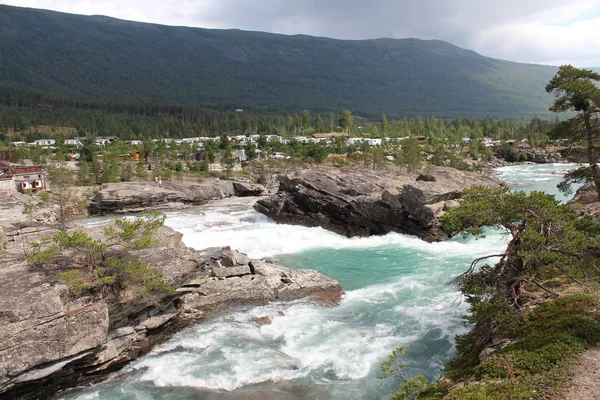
column 354, row 140
column 374, row 142
column 44, row 142
column 73, row 142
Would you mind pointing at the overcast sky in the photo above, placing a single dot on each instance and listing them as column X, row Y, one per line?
column 537, row 31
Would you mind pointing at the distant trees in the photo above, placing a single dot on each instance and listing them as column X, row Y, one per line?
column 576, row 91
column 346, row 121
column 384, row 125
column 410, row 156
column 227, row 159
column 61, row 184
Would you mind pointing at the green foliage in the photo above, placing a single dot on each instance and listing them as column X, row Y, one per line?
column 346, row 121
column 412, row 387
column 44, row 197
column 140, row 170
column 69, row 205
column 432, row 76
column 534, row 364
column 547, row 239
column 84, row 174
column 228, row 159
column 126, row 172
column 77, row 282
column 578, row 175
column 411, row 156
column 89, row 269
column 127, row 273
column 110, row 168
column 28, row 209
column 136, row 234
column 577, row 90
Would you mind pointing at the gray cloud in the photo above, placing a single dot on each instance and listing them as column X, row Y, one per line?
column 542, row 31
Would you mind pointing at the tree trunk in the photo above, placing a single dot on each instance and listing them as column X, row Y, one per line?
column 590, row 152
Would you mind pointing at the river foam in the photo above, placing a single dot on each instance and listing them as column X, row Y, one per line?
column 397, row 295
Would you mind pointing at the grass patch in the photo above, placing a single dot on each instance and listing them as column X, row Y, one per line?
column 536, row 364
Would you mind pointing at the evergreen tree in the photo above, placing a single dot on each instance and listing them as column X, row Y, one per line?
column 346, row 120
column 228, row 160
column 576, row 91
column 126, row 172
column 411, row 154
column 384, row 125
column 140, row 170
column 84, row 177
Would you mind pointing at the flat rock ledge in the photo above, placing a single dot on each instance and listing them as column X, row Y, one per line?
column 50, row 341
column 125, row 197
column 358, row 202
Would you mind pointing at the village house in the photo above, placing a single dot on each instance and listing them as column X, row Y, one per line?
column 43, row 142
column 73, row 142
column 22, row 178
column 103, row 140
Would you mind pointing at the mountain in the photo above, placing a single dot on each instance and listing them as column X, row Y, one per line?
column 229, row 69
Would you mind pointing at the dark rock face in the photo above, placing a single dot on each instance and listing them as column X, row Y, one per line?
column 426, row 178
column 543, row 156
column 248, row 189
column 50, row 341
column 361, row 203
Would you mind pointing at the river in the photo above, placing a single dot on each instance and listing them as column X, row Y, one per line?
column 396, row 295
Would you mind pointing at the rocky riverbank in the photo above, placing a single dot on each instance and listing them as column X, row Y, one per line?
column 360, row 202
column 125, row 197
column 51, row 340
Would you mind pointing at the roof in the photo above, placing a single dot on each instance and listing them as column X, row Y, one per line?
column 329, row 135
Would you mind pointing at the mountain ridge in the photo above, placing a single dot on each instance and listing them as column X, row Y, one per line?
column 101, row 56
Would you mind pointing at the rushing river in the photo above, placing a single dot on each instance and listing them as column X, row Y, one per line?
column 396, row 295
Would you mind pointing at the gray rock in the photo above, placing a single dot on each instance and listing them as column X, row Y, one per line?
column 359, row 202
column 139, row 196
column 231, row 258
column 49, row 341
column 425, row 178
column 231, row 271
column 248, row 189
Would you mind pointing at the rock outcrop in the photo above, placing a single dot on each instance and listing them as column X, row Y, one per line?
column 355, row 202
column 586, row 201
column 124, row 197
column 50, row 340
column 543, row 156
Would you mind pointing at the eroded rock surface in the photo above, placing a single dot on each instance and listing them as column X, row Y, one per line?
column 355, row 202
column 50, row 340
column 139, row 196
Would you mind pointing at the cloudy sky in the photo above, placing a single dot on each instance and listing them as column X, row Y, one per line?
column 537, row 31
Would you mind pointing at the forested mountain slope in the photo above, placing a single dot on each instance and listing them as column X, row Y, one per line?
column 228, row 69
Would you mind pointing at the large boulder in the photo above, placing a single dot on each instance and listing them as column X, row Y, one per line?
column 139, row 196
column 358, row 202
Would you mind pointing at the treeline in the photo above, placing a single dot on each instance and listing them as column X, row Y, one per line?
column 22, row 112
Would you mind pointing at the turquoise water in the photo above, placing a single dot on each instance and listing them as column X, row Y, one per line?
column 396, row 295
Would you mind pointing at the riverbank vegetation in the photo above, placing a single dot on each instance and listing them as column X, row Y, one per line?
column 88, row 264
column 533, row 310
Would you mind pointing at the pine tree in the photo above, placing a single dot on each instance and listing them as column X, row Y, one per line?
column 576, row 91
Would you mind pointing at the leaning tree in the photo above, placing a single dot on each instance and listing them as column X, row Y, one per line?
column 546, row 240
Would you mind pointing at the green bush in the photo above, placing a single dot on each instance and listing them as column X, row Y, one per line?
column 89, row 268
